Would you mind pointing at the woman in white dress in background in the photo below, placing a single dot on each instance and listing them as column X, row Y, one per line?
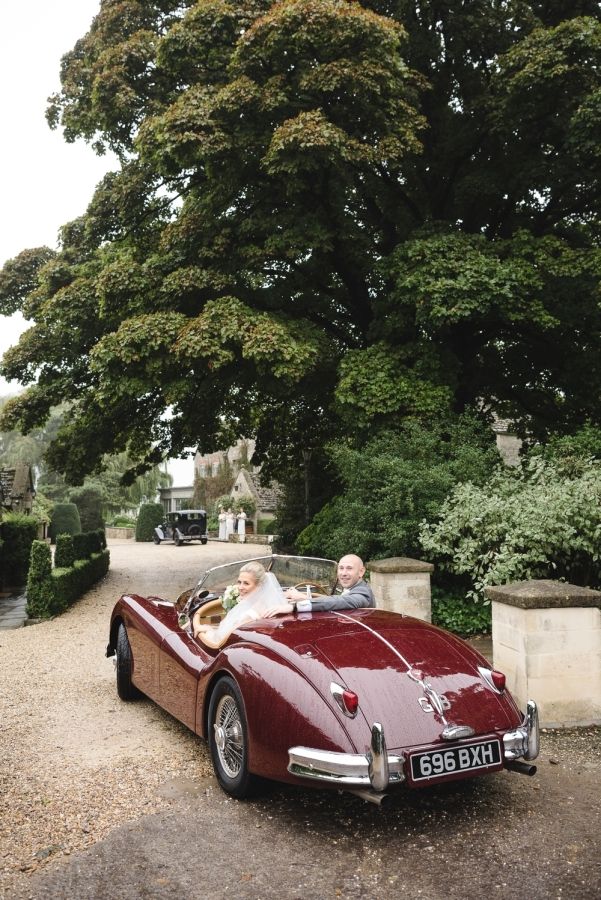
column 222, row 528
column 230, row 524
column 260, row 596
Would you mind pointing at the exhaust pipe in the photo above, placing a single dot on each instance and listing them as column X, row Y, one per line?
column 523, row 768
column 372, row 797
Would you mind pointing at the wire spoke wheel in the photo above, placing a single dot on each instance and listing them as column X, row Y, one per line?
column 228, row 739
column 228, row 736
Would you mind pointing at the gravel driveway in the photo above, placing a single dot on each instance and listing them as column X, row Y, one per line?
column 75, row 761
column 103, row 799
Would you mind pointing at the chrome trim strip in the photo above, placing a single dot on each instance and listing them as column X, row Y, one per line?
column 426, row 686
column 487, row 676
column 456, row 732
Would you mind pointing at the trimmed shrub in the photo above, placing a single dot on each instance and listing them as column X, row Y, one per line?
column 39, row 594
column 150, row 515
column 64, row 555
column 89, row 503
column 65, row 520
column 69, row 584
column 17, row 533
column 51, row 591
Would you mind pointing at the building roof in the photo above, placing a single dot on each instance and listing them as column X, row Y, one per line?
column 16, row 485
column 266, row 497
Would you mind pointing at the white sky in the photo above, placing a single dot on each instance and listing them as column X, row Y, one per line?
column 45, row 182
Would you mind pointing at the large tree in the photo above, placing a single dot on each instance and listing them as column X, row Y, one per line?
column 383, row 209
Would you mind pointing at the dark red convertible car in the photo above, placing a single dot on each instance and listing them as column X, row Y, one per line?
column 365, row 700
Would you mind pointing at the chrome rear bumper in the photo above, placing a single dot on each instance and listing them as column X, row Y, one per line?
column 525, row 740
column 375, row 769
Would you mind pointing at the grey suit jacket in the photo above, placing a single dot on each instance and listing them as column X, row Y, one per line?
column 358, row 596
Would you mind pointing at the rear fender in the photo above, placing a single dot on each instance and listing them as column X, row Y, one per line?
column 283, row 709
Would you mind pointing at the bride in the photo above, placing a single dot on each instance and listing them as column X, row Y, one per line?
column 260, row 596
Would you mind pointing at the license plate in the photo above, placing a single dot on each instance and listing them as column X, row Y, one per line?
column 468, row 758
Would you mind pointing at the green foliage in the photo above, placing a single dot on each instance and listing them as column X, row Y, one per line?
column 459, row 614
column 542, row 521
column 51, row 591
column 379, row 210
column 150, row 515
column 89, row 503
column 41, row 508
column 244, row 502
column 225, row 502
column 17, row 533
column 395, row 481
column 266, row 526
column 65, row 520
column 88, row 542
column 40, row 568
column 64, row 554
column 122, row 522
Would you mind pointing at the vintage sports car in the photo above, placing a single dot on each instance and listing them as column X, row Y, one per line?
column 365, row 700
column 183, row 526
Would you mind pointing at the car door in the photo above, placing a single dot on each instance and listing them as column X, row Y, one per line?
column 181, row 663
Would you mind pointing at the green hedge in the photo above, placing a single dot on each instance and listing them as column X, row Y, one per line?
column 17, row 534
column 88, row 500
column 150, row 515
column 51, row 591
column 64, row 555
column 65, row 520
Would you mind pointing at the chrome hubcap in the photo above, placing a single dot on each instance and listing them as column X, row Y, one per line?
column 228, row 736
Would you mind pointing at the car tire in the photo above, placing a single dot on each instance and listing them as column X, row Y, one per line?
column 228, row 740
column 194, row 531
column 124, row 667
column 178, row 541
column 203, row 541
column 156, row 539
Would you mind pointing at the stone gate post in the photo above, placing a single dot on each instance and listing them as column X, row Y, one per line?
column 402, row 585
column 547, row 639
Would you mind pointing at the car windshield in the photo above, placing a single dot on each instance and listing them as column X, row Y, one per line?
column 289, row 571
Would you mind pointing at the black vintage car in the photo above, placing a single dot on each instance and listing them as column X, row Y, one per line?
column 183, row 526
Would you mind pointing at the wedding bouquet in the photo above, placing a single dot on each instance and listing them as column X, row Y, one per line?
column 230, row 597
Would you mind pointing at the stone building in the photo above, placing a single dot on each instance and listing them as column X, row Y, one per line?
column 17, row 489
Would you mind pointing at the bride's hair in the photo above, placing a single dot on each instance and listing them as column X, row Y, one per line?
column 256, row 570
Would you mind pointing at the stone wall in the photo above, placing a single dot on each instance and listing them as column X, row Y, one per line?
column 119, row 533
column 547, row 640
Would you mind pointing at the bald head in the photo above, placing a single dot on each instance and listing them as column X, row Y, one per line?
column 350, row 570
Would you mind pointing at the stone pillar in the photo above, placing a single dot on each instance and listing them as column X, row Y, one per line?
column 547, row 639
column 402, row 585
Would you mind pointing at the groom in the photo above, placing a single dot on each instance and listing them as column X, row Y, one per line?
column 356, row 592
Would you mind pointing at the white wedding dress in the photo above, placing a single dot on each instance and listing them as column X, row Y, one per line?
column 254, row 606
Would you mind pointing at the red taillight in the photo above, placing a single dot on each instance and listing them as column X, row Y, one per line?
column 498, row 679
column 348, row 701
column 351, row 701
